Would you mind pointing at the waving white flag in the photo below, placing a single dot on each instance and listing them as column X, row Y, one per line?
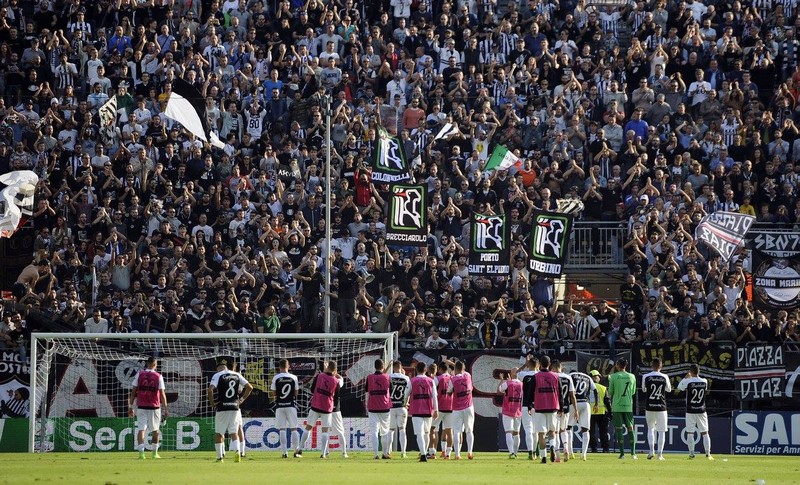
column 16, row 199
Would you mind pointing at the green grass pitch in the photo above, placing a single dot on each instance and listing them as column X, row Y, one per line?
column 360, row 469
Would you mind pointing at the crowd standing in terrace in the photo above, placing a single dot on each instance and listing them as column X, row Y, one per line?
column 653, row 113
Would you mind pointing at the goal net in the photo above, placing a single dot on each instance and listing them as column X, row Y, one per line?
column 81, row 384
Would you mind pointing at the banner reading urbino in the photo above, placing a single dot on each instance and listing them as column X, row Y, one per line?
column 776, row 270
column 488, row 252
column 549, row 243
column 408, row 216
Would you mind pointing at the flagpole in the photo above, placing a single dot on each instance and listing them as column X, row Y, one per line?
column 326, row 106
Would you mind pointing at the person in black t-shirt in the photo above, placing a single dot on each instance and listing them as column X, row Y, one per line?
column 348, row 289
column 312, row 281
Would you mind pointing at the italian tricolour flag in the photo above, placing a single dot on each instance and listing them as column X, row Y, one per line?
column 502, row 159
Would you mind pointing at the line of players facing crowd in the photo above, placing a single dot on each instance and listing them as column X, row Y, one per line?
column 538, row 397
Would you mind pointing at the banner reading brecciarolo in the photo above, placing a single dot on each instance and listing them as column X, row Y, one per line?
column 488, row 252
column 408, row 216
column 776, row 270
column 549, row 243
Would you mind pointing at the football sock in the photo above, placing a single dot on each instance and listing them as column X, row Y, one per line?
column 303, row 437
column 391, row 439
column 295, row 439
column 421, row 443
column 324, row 441
column 403, row 439
column 220, row 449
column 555, row 441
column 662, row 436
column 342, row 442
column 510, row 442
column 691, row 443
column 651, row 440
column 516, row 441
column 565, row 436
column 235, row 446
column 457, row 443
column 376, row 442
column 155, row 446
column 443, row 445
column 632, row 436
column 470, row 441
column 707, row 443
column 620, row 440
column 585, row 445
column 140, row 447
column 387, row 445
column 282, row 438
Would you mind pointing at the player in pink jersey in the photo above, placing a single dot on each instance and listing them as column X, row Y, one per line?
column 322, row 401
column 423, row 407
column 463, row 412
column 445, row 418
column 511, row 389
column 379, row 403
column 148, row 392
column 547, row 404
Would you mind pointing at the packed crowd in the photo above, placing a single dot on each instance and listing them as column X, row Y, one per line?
column 694, row 113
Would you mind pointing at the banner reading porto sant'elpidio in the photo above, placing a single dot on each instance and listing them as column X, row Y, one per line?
column 489, row 250
column 776, row 270
column 408, row 216
column 549, row 243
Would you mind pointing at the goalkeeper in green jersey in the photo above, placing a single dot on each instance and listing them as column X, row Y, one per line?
column 621, row 389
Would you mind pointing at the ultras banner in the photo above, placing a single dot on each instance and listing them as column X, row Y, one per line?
column 489, row 250
column 776, row 270
column 408, row 216
column 550, row 242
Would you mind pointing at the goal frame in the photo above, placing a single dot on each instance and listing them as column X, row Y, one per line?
column 390, row 338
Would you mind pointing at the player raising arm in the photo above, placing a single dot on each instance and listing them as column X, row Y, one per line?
column 511, row 389
column 655, row 386
column 226, row 391
column 148, row 392
column 621, row 389
column 284, row 389
column 423, row 407
column 696, row 389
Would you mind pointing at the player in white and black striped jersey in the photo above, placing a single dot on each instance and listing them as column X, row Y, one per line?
column 284, row 389
column 655, row 386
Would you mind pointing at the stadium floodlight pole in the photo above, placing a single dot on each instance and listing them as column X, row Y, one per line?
column 326, row 104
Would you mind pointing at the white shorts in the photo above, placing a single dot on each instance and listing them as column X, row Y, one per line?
column 527, row 421
column 511, row 423
column 562, row 420
column 323, row 418
column 286, row 418
column 658, row 420
column 421, row 424
column 337, row 425
column 698, row 422
column 445, row 419
column 584, row 416
column 464, row 420
column 227, row 422
column 379, row 422
column 148, row 419
column 398, row 418
column 544, row 422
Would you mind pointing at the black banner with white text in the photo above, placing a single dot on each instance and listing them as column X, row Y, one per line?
column 408, row 216
column 488, row 252
column 549, row 243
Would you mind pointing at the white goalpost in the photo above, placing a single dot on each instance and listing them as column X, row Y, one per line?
column 80, row 382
